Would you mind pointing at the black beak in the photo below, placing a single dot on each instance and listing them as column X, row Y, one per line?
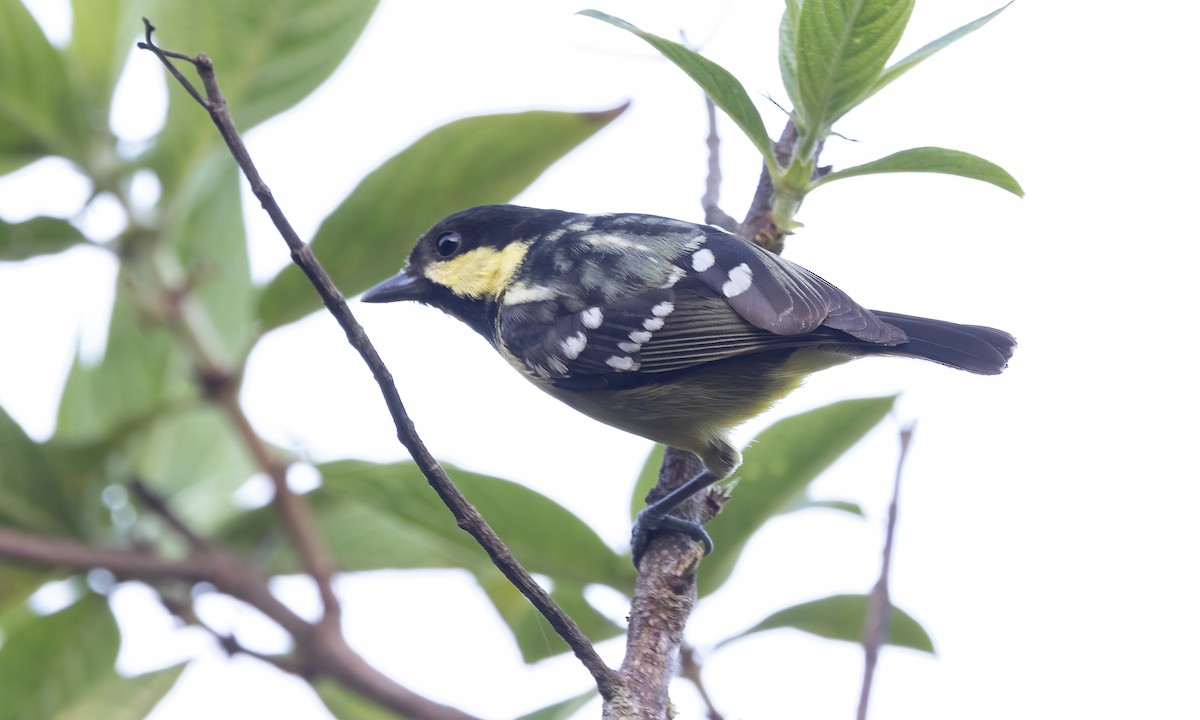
column 404, row 286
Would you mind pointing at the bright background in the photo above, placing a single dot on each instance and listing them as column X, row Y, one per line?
column 1048, row 535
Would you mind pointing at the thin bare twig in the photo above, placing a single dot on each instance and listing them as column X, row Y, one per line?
column 711, row 200
column 607, row 681
column 879, row 605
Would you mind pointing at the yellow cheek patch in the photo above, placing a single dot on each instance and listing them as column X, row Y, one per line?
column 479, row 273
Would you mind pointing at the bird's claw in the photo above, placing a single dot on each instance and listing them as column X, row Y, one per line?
column 649, row 523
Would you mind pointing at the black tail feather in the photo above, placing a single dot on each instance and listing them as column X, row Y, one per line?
column 973, row 348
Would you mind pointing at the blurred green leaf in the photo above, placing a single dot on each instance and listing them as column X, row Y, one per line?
column 142, row 373
column 778, row 467
column 31, row 492
column 473, row 161
column 724, row 89
column 122, row 698
column 38, row 236
column 48, row 664
column 932, row 160
column 195, row 460
column 204, row 224
column 377, row 516
column 535, row 638
column 37, row 113
column 806, row 503
column 832, row 51
column 912, row 60
column 563, row 710
column 842, row 617
column 344, row 704
column 267, row 56
column 102, row 35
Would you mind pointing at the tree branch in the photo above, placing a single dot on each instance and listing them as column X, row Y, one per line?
column 317, row 653
column 711, row 200
column 879, row 605
column 467, row 516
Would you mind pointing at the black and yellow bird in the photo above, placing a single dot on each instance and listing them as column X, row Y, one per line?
column 673, row 331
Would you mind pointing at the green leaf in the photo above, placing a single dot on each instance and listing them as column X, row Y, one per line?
column 203, row 225
column 48, row 664
column 535, row 638
column 832, row 51
column 908, row 63
column 39, row 236
column 344, row 704
column 195, row 460
column 31, row 492
column 842, row 617
column 845, row 506
column 38, row 116
column 933, row 160
column 778, row 468
column 563, row 710
column 377, row 516
column 724, row 89
column 143, row 372
column 473, row 161
column 267, row 56
column 102, row 34
column 122, row 698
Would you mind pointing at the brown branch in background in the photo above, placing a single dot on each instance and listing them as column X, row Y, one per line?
column 879, row 604
column 690, row 668
column 467, row 516
column 316, row 653
column 711, row 200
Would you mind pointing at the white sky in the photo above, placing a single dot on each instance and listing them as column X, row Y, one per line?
column 1048, row 537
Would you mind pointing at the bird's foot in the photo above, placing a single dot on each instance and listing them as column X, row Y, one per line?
column 649, row 523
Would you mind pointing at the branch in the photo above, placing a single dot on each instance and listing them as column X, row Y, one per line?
column 759, row 227
column 689, row 667
column 710, row 201
column 467, row 516
column 879, row 605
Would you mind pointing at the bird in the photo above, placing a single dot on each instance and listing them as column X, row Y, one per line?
column 670, row 330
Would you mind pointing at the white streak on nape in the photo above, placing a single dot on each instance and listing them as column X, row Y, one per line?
column 641, row 337
column 652, row 324
column 591, row 318
column 630, row 347
column 581, row 225
column 702, row 259
column 521, row 293
column 572, row 346
column 617, row 362
column 740, row 280
column 663, row 309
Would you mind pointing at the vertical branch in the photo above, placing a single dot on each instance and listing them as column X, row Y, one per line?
column 879, row 605
column 711, row 200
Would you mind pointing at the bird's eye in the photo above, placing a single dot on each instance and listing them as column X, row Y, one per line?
column 448, row 243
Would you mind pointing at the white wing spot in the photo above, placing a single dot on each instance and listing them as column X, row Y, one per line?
column 740, row 279
column 630, row 347
column 673, row 277
column 592, row 317
column 558, row 366
column 702, row 259
column 641, row 337
column 617, row 362
column 652, row 324
column 663, row 309
column 572, row 346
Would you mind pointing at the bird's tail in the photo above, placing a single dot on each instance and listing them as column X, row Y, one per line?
column 973, row 348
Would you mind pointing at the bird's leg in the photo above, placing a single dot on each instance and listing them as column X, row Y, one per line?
column 655, row 518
